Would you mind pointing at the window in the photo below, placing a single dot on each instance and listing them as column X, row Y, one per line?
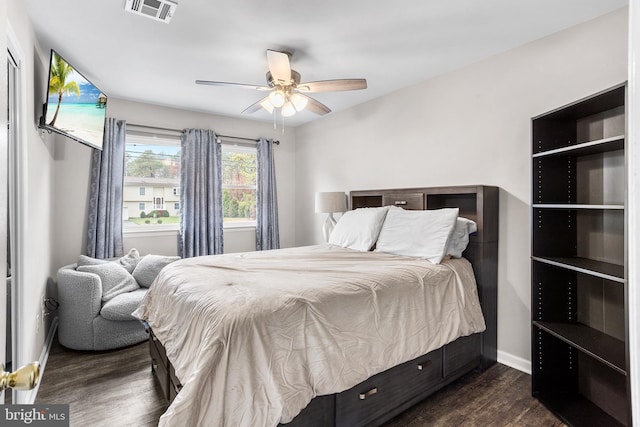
column 239, row 170
column 151, row 197
column 152, row 174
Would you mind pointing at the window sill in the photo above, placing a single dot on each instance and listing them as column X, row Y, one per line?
column 239, row 228
column 151, row 231
column 165, row 230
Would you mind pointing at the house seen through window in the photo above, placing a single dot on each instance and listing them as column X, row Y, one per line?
column 151, row 196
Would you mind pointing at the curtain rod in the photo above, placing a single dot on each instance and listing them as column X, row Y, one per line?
column 154, row 127
column 180, row 131
column 243, row 138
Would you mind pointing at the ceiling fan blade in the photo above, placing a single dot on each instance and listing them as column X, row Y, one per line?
column 333, row 85
column 279, row 66
column 316, row 106
column 256, row 106
column 238, row 85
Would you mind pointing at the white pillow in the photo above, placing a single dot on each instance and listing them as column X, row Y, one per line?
column 149, row 267
column 460, row 236
column 358, row 229
column 420, row 234
column 115, row 279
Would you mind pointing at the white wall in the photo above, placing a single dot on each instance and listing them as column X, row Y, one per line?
column 470, row 126
column 35, row 172
column 72, row 180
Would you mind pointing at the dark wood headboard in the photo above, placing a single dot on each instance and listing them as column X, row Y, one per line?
column 478, row 203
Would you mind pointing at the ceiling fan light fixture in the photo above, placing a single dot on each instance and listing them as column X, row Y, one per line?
column 267, row 105
column 298, row 101
column 277, row 98
column 288, row 109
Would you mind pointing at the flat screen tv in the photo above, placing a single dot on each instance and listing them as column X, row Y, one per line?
column 75, row 107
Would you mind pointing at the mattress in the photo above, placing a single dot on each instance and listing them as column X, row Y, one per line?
column 253, row 337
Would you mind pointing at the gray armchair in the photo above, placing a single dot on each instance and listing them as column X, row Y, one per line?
column 86, row 323
column 98, row 296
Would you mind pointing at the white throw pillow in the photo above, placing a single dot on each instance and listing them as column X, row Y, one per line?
column 358, row 229
column 420, row 234
column 115, row 279
column 460, row 237
column 149, row 266
column 128, row 262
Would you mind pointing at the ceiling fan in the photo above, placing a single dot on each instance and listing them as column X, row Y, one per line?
column 286, row 92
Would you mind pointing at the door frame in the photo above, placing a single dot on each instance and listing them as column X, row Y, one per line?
column 4, row 84
column 14, row 184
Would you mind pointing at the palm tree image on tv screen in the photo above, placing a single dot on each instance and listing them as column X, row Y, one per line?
column 74, row 106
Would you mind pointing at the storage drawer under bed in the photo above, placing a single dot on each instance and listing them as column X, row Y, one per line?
column 372, row 401
column 159, row 364
column 462, row 353
column 162, row 369
column 384, row 392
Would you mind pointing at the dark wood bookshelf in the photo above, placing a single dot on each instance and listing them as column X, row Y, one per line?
column 600, row 346
column 605, row 270
column 586, row 148
column 574, row 409
column 578, row 303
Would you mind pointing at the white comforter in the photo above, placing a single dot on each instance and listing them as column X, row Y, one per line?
column 253, row 337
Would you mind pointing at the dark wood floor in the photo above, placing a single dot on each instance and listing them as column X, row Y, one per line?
column 116, row 388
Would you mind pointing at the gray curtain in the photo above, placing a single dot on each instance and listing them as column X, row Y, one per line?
column 104, row 231
column 200, row 194
column 267, row 232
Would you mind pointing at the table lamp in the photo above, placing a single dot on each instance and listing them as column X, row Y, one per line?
column 330, row 202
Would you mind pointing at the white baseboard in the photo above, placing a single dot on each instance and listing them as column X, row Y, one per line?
column 514, row 362
column 29, row 397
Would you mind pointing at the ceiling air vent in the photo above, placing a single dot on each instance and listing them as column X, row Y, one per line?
column 160, row 10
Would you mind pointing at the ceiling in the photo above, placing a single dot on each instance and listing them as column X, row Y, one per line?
column 391, row 44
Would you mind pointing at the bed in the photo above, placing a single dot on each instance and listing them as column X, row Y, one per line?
column 331, row 336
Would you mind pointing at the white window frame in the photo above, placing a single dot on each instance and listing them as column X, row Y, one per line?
column 142, row 191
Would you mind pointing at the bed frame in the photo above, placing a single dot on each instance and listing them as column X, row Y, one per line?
column 387, row 394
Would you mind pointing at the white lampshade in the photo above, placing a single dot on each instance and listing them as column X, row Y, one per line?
column 266, row 104
column 277, row 98
column 330, row 202
column 298, row 101
column 288, row 110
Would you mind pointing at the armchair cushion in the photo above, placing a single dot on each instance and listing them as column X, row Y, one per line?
column 121, row 306
column 115, row 279
column 149, row 267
